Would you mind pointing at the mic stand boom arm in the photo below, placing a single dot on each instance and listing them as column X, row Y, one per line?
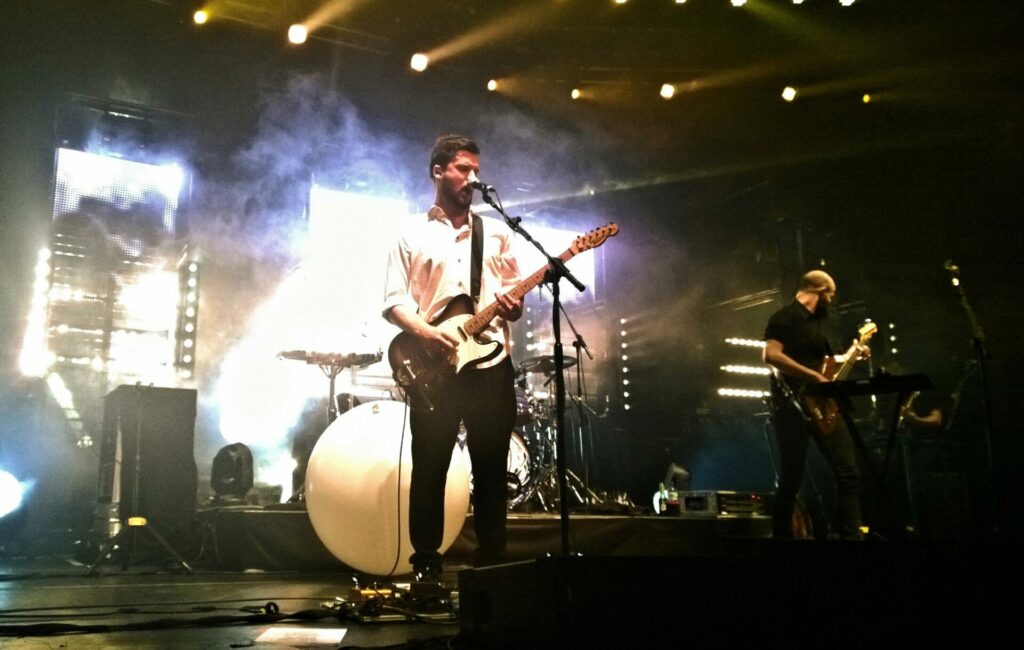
column 556, row 271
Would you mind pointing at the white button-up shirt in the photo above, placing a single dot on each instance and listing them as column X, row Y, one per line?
column 432, row 263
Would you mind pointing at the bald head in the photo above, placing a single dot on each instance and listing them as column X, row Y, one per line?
column 817, row 282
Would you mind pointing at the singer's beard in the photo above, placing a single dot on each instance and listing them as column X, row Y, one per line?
column 460, row 198
column 822, row 309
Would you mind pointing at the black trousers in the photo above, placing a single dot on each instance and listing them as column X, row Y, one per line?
column 484, row 401
column 792, row 434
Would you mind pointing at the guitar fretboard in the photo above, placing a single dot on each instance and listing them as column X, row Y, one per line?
column 479, row 322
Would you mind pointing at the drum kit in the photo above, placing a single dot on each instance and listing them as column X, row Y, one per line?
column 532, row 476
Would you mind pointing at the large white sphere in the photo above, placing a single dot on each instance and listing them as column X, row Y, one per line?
column 353, row 497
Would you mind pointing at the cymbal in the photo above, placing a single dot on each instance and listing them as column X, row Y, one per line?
column 544, row 364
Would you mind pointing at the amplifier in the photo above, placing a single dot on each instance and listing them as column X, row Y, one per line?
column 725, row 504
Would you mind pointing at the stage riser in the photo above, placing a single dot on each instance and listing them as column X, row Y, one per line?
column 265, row 538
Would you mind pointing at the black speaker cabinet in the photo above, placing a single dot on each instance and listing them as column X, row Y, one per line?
column 762, row 592
column 158, row 424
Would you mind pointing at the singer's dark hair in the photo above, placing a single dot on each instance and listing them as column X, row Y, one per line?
column 447, row 146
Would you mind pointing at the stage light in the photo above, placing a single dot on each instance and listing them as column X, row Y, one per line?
column 738, row 3
column 576, row 93
column 492, row 85
column 231, row 474
column 746, row 370
column 34, row 358
column 846, row 3
column 200, row 17
column 798, row 2
column 11, row 493
column 419, row 62
column 789, row 93
column 668, row 91
column 621, row 2
column 742, row 393
column 297, row 34
column 745, row 343
column 866, row 98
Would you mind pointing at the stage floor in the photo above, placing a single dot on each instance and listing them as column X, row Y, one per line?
column 701, row 578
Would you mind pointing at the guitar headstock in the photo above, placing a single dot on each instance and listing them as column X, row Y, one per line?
column 594, row 238
column 866, row 331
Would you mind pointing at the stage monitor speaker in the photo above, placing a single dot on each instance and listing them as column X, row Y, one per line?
column 162, row 420
column 764, row 592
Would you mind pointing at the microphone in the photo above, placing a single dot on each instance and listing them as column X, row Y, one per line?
column 480, row 185
column 952, row 268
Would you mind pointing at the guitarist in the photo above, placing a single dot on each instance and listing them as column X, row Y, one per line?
column 796, row 346
column 431, row 264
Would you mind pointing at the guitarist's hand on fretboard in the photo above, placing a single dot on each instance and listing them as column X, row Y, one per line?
column 509, row 308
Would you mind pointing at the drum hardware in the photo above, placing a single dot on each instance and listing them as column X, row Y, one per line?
column 543, row 486
column 331, row 363
column 544, row 364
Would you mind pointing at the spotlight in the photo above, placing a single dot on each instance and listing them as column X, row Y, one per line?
column 576, row 94
column 231, row 474
column 738, row 3
column 846, row 3
column 419, row 62
column 789, row 93
column 492, row 85
column 866, row 98
column 298, row 34
column 668, row 91
column 200, row 17
column 11, row 493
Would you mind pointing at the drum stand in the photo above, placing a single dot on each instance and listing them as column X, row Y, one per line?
column 545, row 487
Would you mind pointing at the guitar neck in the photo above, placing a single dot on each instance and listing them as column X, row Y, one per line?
column 482, row 319
column 844, row 370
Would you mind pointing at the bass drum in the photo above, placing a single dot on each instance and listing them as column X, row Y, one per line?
column 357, row 489
column 517, row 472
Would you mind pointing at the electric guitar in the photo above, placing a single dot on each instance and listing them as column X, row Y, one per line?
column 824, row 411
column 422, row 371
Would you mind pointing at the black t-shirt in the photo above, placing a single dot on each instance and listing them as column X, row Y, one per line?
column 803, row 336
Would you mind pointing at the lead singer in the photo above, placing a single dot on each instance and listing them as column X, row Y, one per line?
column 431, row 264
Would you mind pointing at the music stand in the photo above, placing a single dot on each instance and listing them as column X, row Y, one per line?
column 135, row 520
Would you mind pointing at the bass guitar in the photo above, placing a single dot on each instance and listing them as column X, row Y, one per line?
column 422, row 371
column 824, row 411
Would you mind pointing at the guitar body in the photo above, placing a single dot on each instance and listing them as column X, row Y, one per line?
column 824, row 411
column 424, row 372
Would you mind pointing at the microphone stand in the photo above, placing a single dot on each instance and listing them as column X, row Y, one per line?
column 980, row 349
column 556, row 271
column 580, row 344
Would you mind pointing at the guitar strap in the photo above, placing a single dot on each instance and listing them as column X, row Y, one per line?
column 477, row 259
